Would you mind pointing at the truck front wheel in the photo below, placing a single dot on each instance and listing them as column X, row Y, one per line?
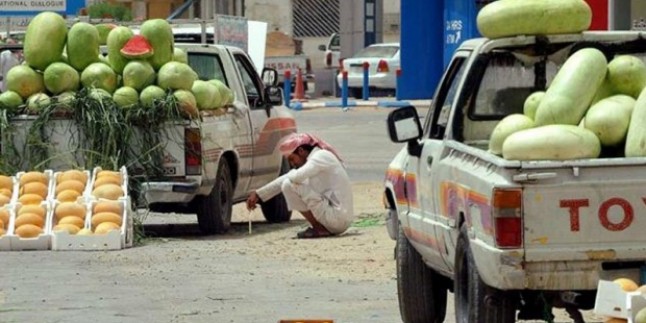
column 214, row 211
column 421, row 291
column 474, row 300
column 275, row 210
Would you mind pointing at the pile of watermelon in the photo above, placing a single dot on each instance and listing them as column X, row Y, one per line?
column 592, row 106
column 139, row 71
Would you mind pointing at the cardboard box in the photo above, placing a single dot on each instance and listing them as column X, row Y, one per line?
column 113, row 240
column 612, row 301
column 42, row 242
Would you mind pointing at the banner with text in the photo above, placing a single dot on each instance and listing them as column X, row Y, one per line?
column 32, row 5
column 231, row 31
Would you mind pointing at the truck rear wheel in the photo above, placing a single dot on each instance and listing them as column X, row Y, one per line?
column 474, row 300
column 214, row 211
column 275, row 210
column 421, row 291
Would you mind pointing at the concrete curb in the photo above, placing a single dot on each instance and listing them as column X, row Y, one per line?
column 297, row 106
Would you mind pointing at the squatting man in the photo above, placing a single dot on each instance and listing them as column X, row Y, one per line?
column 317, row 186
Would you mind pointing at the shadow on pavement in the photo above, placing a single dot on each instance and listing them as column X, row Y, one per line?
column 238, row 230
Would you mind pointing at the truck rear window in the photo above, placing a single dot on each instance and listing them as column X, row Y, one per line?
column 207, row 66
column 510, row 75
column 506, row 83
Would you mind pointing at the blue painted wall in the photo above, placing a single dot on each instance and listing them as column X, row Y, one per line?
column 421, row 48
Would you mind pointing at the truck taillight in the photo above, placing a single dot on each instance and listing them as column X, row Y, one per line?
column 382, row 67
column 340, row 64
column 507, row 215
column 328, row 59
column 193, row 151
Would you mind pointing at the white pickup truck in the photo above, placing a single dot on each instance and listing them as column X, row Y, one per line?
column 511, row 239
column 210, row 164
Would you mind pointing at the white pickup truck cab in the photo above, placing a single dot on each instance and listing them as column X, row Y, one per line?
column 210, row 163
column 238, row 151
column 510, row 239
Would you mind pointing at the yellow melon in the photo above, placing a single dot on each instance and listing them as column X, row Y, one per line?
column 108, row 192
column 108, row 179
column 29, row 177
column 6, row 192
column 106, row 227
column 105, row 217
column 4, row 217
column 2, row 224
column 72, row 174
column 626, row 284
column 2, row 232
column 642, row 289
column 36, row 209
column 29, row 218
column 34, row 188
column 4, row 200
column 84, row 232
column 107, row 206
column 6, row 182
column 68, row 196
column 28, row 231
column 68, row 227
column 72, row 219
column 71, row 184
column 615, row 320
column 69, row 208
column 102, row 173
column 30, row 198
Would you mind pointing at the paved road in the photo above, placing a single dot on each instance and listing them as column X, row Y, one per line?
column 359, row 134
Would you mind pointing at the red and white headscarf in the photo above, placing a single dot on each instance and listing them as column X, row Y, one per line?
column 295, row 140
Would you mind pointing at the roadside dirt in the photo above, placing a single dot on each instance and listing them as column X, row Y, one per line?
column 364, row 252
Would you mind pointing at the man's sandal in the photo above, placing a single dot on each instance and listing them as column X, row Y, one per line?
column 310, row 233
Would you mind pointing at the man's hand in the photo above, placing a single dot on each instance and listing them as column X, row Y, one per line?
column 252, row 200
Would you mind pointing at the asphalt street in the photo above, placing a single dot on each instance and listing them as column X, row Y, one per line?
column 359, row 134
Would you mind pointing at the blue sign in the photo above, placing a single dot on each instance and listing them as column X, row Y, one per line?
column 459, row 25
column 21, row 8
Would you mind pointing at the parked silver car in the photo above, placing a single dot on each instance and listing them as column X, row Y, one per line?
column 383, row 60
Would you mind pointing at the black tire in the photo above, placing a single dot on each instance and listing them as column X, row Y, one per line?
column 421, row 291
column 275, row 210
column 214, row 211
column 356, row 92
column 474, row 300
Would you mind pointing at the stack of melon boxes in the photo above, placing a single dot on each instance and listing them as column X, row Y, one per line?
column 66, row 210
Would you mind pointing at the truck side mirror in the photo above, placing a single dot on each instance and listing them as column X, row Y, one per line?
column 404, row 126
column 269, row 77
column 322, row 48
column 274, row 94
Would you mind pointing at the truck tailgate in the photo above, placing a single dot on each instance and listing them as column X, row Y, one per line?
column 172, row 142
column 586, row 213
